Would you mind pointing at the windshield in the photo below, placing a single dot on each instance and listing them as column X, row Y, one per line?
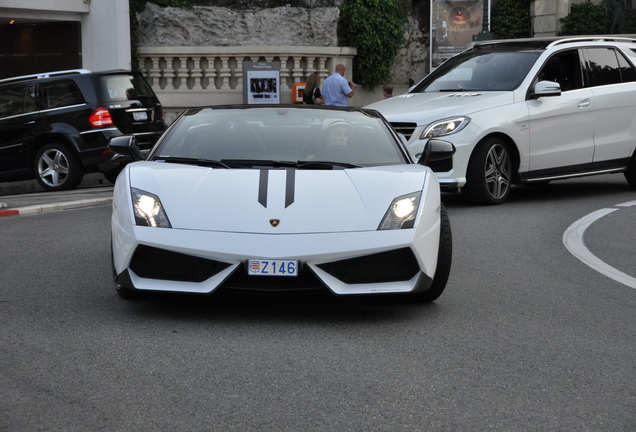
column 479, row 71
column 250, row 136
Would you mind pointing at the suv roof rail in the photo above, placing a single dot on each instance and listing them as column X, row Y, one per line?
column 530, row 43
column 593, row 38
column 548, row 42
column 46, row 75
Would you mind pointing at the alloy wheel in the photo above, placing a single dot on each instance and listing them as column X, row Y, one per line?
column 497, row 171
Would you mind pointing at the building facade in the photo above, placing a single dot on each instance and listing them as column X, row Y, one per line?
column 39, row 36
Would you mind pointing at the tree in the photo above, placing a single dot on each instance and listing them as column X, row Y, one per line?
column 510, row 19
column 585, row 19
column 376, row 29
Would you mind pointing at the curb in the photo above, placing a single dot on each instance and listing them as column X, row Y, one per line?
column 46, row 208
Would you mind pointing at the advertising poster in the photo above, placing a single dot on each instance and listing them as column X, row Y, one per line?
column 262, row 82
column 453, row 25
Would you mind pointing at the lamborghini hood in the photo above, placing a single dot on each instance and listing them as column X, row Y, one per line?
column 276, row 201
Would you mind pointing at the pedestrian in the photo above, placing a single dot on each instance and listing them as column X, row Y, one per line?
column 387, row 90
column 336, row 89
column 311, row 94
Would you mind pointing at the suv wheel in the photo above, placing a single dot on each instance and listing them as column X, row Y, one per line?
column 57, row 168
column 630, row 173
column 489, row 174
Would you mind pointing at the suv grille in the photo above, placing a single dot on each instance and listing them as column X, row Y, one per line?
column 405, row 129
column 397, row 265
column 152, row 263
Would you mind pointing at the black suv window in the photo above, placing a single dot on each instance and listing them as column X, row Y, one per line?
column 17, row 100
column 60, row 94
column 603, row 65
column 124, row 87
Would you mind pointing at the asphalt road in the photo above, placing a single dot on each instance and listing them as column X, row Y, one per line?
column 526, row 337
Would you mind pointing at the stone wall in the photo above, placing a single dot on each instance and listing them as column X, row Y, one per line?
column 288, row 26
column 219, row 26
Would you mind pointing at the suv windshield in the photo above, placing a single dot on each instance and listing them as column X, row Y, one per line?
column 124, row 87
column 479, row 71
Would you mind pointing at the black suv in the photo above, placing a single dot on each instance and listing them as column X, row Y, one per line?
column 56, row 126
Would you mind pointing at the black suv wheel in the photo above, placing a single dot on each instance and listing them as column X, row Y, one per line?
column 57, row 168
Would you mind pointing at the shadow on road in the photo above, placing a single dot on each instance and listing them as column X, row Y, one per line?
column 574, row 189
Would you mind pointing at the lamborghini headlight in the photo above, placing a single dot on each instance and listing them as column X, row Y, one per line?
column 401, row 213
column 148, row 210
column 445, row 127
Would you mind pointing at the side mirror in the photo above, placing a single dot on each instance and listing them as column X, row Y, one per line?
column 126, row 145
column 436, row 150
column 546, row 88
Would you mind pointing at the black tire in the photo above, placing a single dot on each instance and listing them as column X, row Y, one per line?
column 630, row 173
column 57, row 168
column 444, row 260
column 489, row 174
column 111, row 175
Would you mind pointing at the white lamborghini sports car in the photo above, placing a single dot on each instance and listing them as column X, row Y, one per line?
column 275, row 198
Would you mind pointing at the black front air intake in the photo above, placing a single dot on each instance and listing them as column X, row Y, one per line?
column 392, row 266
column 153, row 263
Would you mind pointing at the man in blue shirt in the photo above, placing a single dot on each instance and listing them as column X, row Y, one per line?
column 336, row 89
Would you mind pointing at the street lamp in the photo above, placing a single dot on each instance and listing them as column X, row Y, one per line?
column 485, row 29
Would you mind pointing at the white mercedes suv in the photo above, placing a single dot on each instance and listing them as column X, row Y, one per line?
column 525, row 111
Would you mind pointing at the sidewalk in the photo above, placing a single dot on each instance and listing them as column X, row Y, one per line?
column 25, row 198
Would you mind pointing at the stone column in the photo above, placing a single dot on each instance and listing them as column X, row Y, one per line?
column 544, row 17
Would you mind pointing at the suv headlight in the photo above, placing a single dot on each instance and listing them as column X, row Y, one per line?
column 401, row 213
column 148, row 210
column 445, row 127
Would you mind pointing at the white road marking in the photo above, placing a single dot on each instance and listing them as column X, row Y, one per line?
column 573, row 241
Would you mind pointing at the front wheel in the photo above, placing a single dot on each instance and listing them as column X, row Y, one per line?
column 489, row 174
column 444, row 259
column 58, row 168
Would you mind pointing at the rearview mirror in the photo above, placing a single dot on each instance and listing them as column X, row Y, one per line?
column 126, row 145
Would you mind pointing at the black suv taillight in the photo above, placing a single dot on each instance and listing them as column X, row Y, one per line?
column 100, row 118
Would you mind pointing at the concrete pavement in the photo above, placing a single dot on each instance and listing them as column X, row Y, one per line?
column 25, row 198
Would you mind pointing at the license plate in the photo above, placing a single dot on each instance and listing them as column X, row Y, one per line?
column 140, row 115
column 272, row 267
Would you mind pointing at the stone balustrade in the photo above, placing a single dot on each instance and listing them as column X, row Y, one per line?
column 207, row 75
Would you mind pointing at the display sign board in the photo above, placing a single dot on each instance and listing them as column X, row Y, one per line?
column 453, row 25
column 261, row 83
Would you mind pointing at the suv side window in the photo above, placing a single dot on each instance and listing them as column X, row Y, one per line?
column 60, row 94
column 603, row 66
column 17, row 100
column 628, row 73
column 563, row 68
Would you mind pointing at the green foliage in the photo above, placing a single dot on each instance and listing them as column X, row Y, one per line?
column 585, row 19
column 510, row 19
column 376, row 29
column 629, row 26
